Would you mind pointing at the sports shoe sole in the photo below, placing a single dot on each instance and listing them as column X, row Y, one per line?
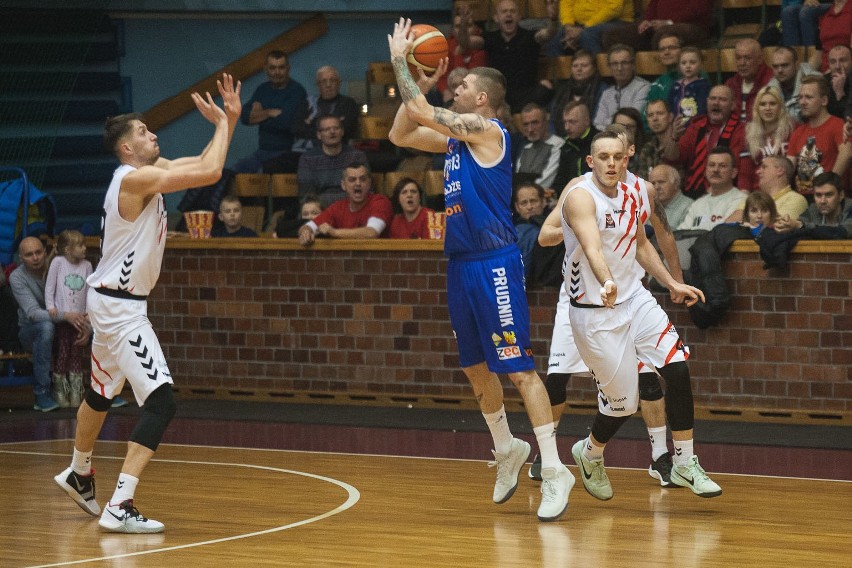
column 133, row 528
column 90, row 507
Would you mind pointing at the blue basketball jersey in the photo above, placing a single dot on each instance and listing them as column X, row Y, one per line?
column 478, row 199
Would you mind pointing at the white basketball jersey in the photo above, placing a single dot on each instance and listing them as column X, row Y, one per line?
column 131, row 253
column 618, row 219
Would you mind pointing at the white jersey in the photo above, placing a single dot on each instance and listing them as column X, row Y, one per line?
column 618, row 219
column 132, row 252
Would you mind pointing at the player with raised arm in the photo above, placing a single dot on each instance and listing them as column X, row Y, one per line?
column 485, row 277
column 125, row 347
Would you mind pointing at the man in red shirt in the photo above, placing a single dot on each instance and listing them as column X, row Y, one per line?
column 360, row 215
column 752, row 75
column 814, row 146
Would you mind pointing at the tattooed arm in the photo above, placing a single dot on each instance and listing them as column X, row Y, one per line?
column 435, row 123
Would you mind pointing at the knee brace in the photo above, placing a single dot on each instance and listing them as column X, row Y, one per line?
column 604, row 427
column 157, row 412
column 555, row 384
column 649, row 387
column 96, row 401
column 680, row 410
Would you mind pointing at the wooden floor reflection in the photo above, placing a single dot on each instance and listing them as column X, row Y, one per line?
column 240, row 507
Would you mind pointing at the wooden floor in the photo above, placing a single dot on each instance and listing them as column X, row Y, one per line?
column 238, row 507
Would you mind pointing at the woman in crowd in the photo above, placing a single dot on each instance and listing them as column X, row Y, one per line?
column 766, row 134
column 412, row 220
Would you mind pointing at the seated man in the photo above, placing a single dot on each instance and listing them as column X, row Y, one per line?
column 666, row 181
column 689, row 20
column 231, row 215
column 829, row 209
column 578, row 143
column 774, row 175
column 321, row 168
column 329, row 101
column 539, row 156
column 529, row 215
column 36, row 326
column 629, row 90
column 360, row 215
column 583, row 24
column 838, row 76
column 272, row 108
column 752, row 74
column 723, row 202
column 788, row 73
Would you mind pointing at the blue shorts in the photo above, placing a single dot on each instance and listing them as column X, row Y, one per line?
column 489, row 312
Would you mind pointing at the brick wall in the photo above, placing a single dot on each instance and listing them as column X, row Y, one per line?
column 268, row 315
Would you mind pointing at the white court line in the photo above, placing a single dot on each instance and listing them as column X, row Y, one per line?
column 353, row 497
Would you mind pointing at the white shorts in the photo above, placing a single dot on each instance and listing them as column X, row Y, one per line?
column 611, row 340
column 564, row 357
column 125, row 347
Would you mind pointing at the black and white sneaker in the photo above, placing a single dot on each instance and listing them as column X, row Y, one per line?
column 125, row 518
column 81, row 488
column 661, row 470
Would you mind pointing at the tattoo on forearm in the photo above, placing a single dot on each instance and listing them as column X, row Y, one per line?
column 660, row 212
column 408, row 88
column 460, row 124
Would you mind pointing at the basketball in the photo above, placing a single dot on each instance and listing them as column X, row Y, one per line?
column 430, row 46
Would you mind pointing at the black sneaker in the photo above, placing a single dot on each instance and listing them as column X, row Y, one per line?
column 535, row 468
column 81, row 488
column 661, row 470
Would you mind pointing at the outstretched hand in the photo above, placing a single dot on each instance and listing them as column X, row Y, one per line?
column 208, row 108
column 685, row 294
column 230, row 96
column 400, row 42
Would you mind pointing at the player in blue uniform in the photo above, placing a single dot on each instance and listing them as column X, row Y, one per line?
column 485, row 276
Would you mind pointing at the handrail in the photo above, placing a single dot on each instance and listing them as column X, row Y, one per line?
column 172, row 108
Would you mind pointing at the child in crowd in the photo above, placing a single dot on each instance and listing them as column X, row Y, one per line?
column 289, row 228
column 688, row 95
column 231, row 215
column 65, row 291
column 759, row 212
column 412, row 220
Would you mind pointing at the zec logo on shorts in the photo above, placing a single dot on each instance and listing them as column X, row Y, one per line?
column 509, row 352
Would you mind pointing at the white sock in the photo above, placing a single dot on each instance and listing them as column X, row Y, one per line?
column 658, row 442
column 546, row 436
column 81, row 462
column 683, row 451
column 124, row 489
column 499, row 426
column 592, row 452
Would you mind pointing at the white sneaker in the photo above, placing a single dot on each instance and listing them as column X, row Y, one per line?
column 556, row 485
column 125, row 518
column 508, row 468
column 692, row 475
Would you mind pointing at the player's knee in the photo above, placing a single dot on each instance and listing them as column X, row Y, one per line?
column 96, row 401
column 555, row 383
column 680, row 410
column 157, row 413
column 649, row 387
column 604, row 427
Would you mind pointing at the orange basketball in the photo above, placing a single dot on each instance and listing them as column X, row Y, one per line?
column 430, row 46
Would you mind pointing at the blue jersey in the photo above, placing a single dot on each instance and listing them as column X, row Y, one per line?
column 478, row 199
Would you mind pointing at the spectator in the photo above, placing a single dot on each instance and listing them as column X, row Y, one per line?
column 688, row 97
column 752, row 74
column 329, row 102
column 666, row 181
column 829, row 209
column 461, row 55
column 321, row 168
column 514, row 51
column 585, row 85
column 835, row 28
column 838, row 75
column 309, row 209
column 65, row 291
column 660, row 121
column 800, row 21
column 539, row 156
column 767, row 134
column 759, row 212
column 631, row 119
column 668, row 53
column 504, row 115
column 788, row 75
column 36, row 327
column 689, row 147
column 412, row 220
column 584, row 23
column 360, row 215
column 723, row 202
column 814, row 146
column 272, row 108
column 578, row 144
column 231, row 215
column 629, row 90
column 690, row 21
column 529, row 215
column 775, row 173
